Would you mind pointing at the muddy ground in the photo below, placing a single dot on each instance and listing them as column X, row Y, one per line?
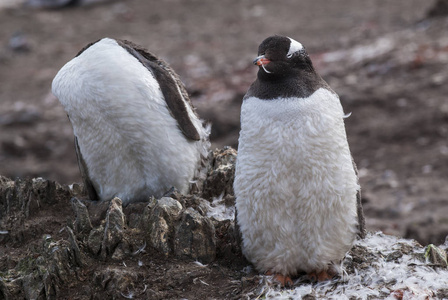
column 387, row 61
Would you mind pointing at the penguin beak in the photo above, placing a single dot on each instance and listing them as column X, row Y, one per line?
column 261, row 61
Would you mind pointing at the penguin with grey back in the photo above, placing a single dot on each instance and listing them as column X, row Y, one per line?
column 136, row 132
column 296, row 186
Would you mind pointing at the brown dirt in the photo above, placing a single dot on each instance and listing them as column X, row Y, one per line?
column 398, row 94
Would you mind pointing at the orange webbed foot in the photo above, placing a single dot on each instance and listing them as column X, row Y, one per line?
column 282, row 279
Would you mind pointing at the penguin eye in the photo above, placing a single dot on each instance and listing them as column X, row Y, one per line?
column 290, row 55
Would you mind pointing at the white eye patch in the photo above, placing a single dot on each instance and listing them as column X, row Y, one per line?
column 293, row 47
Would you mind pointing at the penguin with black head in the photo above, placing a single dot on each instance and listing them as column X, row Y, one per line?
column 296, row 186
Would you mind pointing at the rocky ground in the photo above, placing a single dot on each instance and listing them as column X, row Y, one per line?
column 387, row 61
column 54, row 244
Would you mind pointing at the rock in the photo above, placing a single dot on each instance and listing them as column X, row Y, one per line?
column 6, row 185
column 134, row 215
column 119, row 253
column 194, row 201
column 159, row 225
column 12, row 289
column 159, row 236
column 21, row 200
column 57, row 265
column 186, row 233
column 107, row 239
column 82, row 224
column 219, row 181
column 116, row 281
column 97, row 211
column 77, row 190
column 77, row 254
column 195, row 237
column 58, row 258
column 224, row 157
column 16, row 199
column 228, row 241
column 33, row 287
column 113, row 229
column 95, row 240
column 45, row 190
column 49, row 192
column 436, row 255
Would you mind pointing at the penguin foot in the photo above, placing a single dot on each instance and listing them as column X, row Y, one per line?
column 284, row 280
column 323, row 275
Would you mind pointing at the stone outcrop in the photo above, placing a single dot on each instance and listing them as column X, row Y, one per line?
column 194, row 237
column 219, row 181
column 160, row 217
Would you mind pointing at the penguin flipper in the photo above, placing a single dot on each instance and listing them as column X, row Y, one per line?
column 88, row 185
column 174, row 100
column 360, row 211
column 361, row 218
column 173, row 90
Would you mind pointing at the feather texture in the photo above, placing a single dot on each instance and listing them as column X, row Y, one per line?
column 295, row 183
column 127, row 137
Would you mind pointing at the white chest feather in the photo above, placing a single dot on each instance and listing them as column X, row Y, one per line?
column 295, row 185
column 131, row 144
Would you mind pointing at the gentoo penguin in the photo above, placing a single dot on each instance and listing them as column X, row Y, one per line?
column 296, row 188
column 136, row 131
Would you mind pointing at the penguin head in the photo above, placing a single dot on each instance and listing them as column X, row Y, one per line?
column 281, row 56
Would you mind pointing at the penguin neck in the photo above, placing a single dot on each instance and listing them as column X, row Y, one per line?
column 300, row 85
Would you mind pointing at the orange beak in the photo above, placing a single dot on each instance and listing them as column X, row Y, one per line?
column 261, row 61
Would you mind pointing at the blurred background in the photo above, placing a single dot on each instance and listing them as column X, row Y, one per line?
column 386, row 59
